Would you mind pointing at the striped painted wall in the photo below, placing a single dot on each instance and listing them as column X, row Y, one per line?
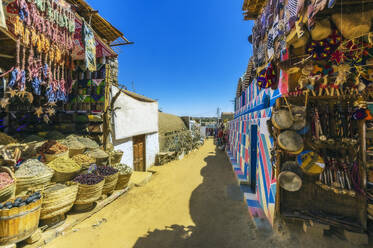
column 256, row 111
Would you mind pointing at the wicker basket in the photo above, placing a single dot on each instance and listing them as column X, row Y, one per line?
column 62, row 177
column 58, row 202
column 51, row 157
column 110, row 183
column 75, row 151
column 25, row 183
column 123, row 181
column 89, row 193
column 116, row 157
column 9, row 191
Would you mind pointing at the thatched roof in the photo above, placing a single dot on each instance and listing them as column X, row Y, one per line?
column 168, row 123
column 252, row 8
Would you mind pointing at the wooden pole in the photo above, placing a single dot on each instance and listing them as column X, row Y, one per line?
column 106, row 117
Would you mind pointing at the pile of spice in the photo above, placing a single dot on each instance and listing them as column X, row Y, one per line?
column 123, row 169
column 88, row 179
column 32, row 168
column 97, row 154
column 66, row 165
column 83, row 160
column 52, row 147
column 5, row 180
column 73, row 144
column 106, row 170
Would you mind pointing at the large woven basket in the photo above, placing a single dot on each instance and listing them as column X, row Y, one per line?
column 25, row 183
column 116, row 157
column 58, row 202
column 110, row 183
column 51, row 157
column 89, row 193
column 8, row 192
column 123, row 181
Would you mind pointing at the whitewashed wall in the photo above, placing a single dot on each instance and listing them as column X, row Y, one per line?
column 127, row 148
column 134, row 117
column 203, row 131
column 152, row 148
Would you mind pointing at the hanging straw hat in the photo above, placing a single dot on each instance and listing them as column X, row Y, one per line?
column 321, row 30
column 290, row 177
column 353, row 25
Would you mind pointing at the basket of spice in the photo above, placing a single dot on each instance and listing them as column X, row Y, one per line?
column 19, row 219
column 32, row 174
column 89, row 189
column 116, row 157
column 75, row 147
column 7, row 184
column 58, row 199
column 64, row 169
column 84, row 160
column 52, row 149
column 125, row 173
column 101, row 157
column 111, row 178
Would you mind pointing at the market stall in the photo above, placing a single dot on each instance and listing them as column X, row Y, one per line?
column 309, row 106
column 55, row 79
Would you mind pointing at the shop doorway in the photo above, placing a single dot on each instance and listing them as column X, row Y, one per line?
column 139, row 153
column 253, row 156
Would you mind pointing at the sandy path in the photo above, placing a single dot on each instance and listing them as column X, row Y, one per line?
column 187, row 203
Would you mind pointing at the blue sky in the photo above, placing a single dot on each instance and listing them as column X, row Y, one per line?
column 187, row 54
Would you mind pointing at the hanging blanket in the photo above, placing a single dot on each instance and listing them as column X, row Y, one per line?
column 89, row 47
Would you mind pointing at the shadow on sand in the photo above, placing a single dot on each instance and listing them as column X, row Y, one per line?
column 221, row 219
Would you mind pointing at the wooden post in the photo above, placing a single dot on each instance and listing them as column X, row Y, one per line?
column 106, row 117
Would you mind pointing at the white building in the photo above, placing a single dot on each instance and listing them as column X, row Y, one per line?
column 135, row 127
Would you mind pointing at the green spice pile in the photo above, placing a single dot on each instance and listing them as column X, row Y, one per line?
column 86, row 142
column 123, row 169
column 62, row 164
column 54, row 188
column 55, row 135
column 32, row 168
column 97, row 154
column 32, row 138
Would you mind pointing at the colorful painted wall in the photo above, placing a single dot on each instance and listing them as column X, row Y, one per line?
column 253, row 110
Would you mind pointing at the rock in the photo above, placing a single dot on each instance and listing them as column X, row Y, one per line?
column 357, row 238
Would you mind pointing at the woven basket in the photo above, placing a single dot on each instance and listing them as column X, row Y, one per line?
column 51, row 157
column 61, row 177
column 116, row 157
column 25, row 183
column 110, row 183
column 8, row 192
column 75, row 151
column 58, row 202
column 89, row 193
column 123, row 181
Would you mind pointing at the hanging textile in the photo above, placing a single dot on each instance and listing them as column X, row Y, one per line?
column 2, row 16
column 89, row 47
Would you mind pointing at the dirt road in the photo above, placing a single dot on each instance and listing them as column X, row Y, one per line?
column 188, row 203
column 191, row 203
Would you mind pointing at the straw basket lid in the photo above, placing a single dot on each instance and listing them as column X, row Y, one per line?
column 353, row 25
column 311, row 163
column 290, row 141
column 321, row 30
column 290, row 177
column 299, row 117
column 282, row 119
